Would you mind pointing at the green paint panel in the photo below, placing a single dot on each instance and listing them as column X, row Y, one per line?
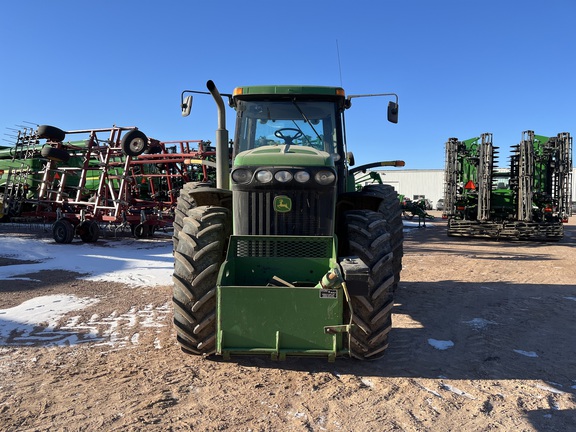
column 258, row 313
column 278, row 320
column 274, row 155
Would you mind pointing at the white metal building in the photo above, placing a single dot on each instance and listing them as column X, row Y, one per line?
column 415, row 184
column 426, row 183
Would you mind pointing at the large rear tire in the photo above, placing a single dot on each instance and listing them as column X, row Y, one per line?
column 391, row 210
column 201, row 250
column 188, row 199
column 185, row 203
column 369, row 238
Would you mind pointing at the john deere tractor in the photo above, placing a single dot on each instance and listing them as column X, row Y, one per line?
column 283, row 256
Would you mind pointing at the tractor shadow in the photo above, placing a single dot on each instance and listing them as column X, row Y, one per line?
column 497, row 330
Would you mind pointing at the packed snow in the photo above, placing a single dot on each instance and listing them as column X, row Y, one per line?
column 441, row 344
column 128, row 261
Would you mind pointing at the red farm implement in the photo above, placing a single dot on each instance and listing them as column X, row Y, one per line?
column 112, row 178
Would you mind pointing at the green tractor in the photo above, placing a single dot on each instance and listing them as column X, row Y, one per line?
column 283, row 256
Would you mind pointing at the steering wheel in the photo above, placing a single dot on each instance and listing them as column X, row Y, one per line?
column 287, row 138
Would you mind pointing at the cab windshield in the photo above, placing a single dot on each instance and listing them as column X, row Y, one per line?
column 265, row 123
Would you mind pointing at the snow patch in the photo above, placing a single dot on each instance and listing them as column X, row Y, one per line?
column 441, row 344
column 479, row 323
column 456, row 390
column 366, row 382
column 550, row 389
column 37, row 320
column 127, row 261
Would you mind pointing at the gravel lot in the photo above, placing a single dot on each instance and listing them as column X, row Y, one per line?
column 484, row 339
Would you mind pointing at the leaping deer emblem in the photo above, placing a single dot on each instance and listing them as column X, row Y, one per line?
column 282, row 204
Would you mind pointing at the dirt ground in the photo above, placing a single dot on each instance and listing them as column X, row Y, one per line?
column 484, row 339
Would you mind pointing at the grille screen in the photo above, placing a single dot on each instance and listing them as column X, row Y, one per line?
column 293, row 247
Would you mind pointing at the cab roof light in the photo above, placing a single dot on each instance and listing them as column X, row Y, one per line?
column 289, row 90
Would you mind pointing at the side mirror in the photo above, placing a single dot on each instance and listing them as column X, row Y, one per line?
column 186, row 106
column 350, row 158
column 392, row 112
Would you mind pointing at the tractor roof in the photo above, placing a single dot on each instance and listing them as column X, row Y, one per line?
column 289, row 90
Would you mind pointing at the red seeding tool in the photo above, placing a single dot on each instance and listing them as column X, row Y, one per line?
column 115, row 178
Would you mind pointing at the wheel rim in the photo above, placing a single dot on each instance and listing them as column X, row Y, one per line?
column 137, row 145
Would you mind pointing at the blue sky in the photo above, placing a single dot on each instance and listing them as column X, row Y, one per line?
column 460, row 67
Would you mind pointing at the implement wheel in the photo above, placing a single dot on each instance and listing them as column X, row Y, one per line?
column 134, row 143
column 89, row 231
column 51, row 133
column 141, row 230
column 55, row 154
column 369, row 238
column 201, row 250
column 63, row 231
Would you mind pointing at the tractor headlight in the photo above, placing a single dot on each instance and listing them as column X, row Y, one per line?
column 324, row 177
column 264, row 176
column 283, row 176
column 302, row 176
column 242, row 176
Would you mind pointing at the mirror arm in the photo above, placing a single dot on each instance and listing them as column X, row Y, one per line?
column 185, row 102
column 371, row 95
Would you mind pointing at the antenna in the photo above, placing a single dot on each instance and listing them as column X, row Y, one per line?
column 339, row 65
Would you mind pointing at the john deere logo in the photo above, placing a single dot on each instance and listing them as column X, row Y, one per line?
column 282, row 204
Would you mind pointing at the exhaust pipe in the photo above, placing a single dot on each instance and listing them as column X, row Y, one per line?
column 222, row 152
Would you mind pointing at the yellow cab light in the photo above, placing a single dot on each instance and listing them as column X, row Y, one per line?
column 237, row 91
column 340, row 92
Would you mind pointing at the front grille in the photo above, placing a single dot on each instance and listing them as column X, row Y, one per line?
column 312, row 213
column 311, row 247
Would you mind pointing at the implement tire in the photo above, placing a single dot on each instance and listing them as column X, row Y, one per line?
column 134, row 143
column 55, row 154
column 201, row 250
column 63, row 231
column 369, row 239
column 89, row 231
column 50, row 133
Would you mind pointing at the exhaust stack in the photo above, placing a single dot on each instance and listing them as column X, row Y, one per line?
column 222, row 152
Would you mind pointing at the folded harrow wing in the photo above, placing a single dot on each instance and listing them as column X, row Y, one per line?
column 530, row 200
column 114, row 178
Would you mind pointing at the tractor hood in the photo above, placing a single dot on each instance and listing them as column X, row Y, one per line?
column 284, row 155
